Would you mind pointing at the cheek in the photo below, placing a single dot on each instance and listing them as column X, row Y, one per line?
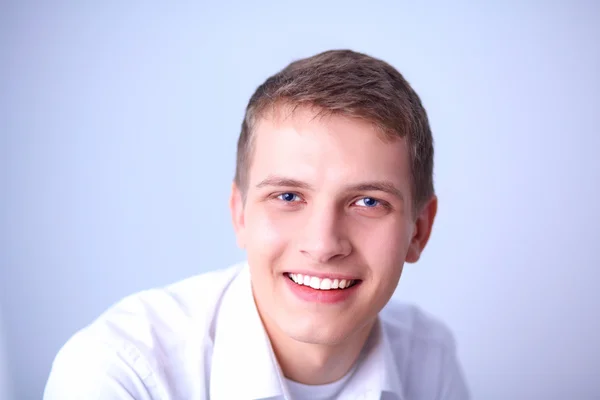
column 268, row 231
column 385, row 253
column 385, row 248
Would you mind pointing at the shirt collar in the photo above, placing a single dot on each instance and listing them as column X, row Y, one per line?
column 377, row 371
column 243, row 362
column 244, row 365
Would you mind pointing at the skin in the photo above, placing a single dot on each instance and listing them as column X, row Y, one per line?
column 326, row 196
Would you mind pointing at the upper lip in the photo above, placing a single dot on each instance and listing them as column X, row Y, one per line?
column 323, row 275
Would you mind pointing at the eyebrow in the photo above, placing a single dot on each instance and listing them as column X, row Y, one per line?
column 377, row 186
column 280, row 181
column 370, row 186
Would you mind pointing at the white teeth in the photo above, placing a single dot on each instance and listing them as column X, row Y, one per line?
column 315, row 282
column 321, row 284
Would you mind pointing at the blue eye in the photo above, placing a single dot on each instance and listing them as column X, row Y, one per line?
column 288, row 197
column 368, row 202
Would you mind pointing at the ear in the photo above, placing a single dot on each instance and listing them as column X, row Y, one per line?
column 422, row 230
column 236, row 206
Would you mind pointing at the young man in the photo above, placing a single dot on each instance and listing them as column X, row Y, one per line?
column 333, row 193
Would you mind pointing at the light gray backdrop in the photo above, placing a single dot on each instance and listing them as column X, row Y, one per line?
column 118, row 125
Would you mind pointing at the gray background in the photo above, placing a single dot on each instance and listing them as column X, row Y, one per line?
column 118, row 127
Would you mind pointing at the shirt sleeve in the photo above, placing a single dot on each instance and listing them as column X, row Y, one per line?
column 453, row 383
column 86, row 368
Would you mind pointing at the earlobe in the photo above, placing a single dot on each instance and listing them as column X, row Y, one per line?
column 422, row 230
column 236, row 206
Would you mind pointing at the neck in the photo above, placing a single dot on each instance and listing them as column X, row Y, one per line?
column 317, row 364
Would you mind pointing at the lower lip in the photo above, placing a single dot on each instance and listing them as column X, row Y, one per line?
column 331, row 296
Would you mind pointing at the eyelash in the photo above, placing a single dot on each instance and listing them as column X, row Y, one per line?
column 380, row 203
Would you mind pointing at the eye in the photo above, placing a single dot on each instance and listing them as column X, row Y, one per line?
column 368, row 202
column 288, row 197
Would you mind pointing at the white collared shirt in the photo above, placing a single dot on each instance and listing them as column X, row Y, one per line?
column 202, row 338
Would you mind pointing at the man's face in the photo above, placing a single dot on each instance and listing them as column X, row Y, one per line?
column 328, row 204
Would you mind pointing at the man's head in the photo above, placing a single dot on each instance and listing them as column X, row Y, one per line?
column 334, row 182
column 350, row 84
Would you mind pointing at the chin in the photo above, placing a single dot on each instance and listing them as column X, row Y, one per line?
column 320, row 338
column 317, row 333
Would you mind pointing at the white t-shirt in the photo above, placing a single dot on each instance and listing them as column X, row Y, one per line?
column 330, row 391
column 202, row 338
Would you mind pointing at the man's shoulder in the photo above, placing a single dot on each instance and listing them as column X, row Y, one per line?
column 423, row 351
column 180, row 307
column 128, row 346
column 161, row 323
column 412, row 325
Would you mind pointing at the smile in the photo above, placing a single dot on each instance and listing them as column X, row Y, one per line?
column 321, row 283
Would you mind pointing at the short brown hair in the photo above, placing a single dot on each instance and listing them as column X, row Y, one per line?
column 348, row 83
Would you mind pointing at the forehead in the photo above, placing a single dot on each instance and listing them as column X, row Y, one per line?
column 326, row 149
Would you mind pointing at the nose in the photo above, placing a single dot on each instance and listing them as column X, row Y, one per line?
column 324, row 238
